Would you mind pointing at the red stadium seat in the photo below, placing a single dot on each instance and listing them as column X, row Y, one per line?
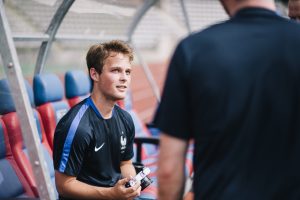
column 12, row 182
column 12, row 123
column 48, row 96
column 77, row 86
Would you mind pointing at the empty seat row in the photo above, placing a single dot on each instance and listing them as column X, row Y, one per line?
column 51, row 106
column 48, row 96
column 12, row 181
column 49, row 99
column 15, row 146
column 15, row 168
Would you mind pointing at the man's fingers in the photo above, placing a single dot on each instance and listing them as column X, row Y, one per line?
column 132, row 194
column 123, row 181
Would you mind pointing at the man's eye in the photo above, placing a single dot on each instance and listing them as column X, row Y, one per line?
column 128, row 72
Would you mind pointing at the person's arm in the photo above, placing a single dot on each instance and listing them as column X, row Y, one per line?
column 69, row 187
column 128, row 171
column 171, row 162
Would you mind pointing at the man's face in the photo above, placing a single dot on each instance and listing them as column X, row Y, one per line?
column 294, row 9
column 115, row 77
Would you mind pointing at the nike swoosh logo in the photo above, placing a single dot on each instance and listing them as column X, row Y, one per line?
column 98, row 148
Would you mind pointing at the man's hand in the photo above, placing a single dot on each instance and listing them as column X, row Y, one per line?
column 119, row 191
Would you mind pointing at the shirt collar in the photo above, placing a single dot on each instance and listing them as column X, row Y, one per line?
column 254, row 12
column 91, row 103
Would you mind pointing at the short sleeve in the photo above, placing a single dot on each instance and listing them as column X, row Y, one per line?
column 173, row 111
column 71, row 149
column 129, row 153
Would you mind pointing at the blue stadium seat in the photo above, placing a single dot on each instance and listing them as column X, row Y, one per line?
column 77, row 86
column 48, row 96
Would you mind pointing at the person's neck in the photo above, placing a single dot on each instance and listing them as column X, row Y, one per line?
column 267, row 4
column 104, row 106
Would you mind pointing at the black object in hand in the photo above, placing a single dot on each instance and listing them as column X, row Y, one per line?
column 142, row 177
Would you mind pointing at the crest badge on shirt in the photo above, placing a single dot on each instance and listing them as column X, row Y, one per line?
column 123, row 142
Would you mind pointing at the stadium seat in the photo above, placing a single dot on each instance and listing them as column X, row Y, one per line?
column 77, row 86
column 12, row 182
column 48, row 96
column 14, row 132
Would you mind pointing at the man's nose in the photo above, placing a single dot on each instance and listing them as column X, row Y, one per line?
column 123, row 76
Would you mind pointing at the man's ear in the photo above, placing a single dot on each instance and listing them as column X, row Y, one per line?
column 94, row 74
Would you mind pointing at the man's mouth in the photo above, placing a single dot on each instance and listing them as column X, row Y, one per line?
column 121, row 87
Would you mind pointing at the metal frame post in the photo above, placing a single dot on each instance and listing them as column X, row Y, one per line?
column 136, row 19
column 51, row 31
column 23, row 107
column 185, row 16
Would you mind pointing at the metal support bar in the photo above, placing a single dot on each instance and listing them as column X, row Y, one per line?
column 30, row 37
column 185, row 16
column 139, row 141
column 51, row 31
column 23, row 107
column 96, row 38
column 65, row 37
column 148, row 74
column 136, row 19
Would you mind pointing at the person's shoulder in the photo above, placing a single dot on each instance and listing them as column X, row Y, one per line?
column 70, row 115
column 77, row 107
column 287, row 28
column 76, row 116
column 200, row 39
column 292, row 25
column 203, row 35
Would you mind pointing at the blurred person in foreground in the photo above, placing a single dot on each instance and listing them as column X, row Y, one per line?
column 93, row 142
column 294, row 9
column 235, row 89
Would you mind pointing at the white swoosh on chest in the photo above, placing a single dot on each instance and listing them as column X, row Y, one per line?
column 98, row 148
